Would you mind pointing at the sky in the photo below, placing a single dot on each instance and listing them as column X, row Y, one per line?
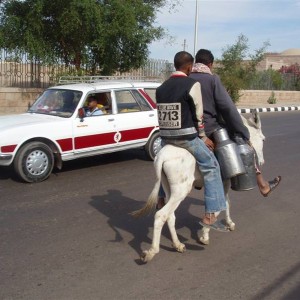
column 220, row 22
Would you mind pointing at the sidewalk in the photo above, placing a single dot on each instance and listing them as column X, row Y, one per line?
column 266, row 107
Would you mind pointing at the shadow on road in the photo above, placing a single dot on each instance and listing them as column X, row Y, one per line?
column 104, row 159
column 83, row 163
column 292, row 294
column 8, row 173
column 117, row 208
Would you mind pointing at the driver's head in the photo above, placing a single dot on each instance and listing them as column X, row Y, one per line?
column 92, row 102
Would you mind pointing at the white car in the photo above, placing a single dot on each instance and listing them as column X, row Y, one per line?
column 56, row 128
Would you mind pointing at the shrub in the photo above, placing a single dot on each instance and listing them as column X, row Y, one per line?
column 272, row 99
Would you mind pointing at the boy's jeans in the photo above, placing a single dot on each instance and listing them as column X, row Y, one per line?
column 209, row 167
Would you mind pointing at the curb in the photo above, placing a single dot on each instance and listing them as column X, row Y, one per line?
column 268, row 109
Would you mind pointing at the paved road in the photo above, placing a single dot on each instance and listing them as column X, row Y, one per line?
column 71, row 237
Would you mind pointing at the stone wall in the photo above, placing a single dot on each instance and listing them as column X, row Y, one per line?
column 16, row 100
column 260, row 98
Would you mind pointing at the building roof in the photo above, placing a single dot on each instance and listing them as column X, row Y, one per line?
column 292, row 51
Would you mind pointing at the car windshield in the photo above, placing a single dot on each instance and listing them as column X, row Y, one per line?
column 58, row 102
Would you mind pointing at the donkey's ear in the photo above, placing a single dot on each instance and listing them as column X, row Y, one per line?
column 255, row 119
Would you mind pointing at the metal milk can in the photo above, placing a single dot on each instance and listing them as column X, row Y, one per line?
column 245, row 181
column 227, row 155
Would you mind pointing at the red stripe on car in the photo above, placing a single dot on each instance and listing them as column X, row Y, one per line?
column 65, row 144
column 94, row 140
column 97, row 140
column 135, row 134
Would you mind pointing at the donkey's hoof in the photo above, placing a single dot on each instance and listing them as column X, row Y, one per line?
column 179, row 247
column 146, row 256
column 204, row 241
column 231, row 226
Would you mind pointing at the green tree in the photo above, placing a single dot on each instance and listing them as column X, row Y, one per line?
column 265, row 80
column 106, row 35
column 233, row 68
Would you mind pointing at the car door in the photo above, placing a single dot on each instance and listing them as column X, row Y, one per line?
column 96, row 133
column 135, row 118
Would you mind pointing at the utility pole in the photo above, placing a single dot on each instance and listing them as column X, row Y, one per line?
column 196, row 29
column 184, row 45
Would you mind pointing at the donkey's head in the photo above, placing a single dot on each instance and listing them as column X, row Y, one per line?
column 256, row 136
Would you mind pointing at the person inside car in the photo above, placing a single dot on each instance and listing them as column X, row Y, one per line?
column 93, row 109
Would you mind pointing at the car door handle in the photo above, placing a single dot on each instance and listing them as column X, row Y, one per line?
column 110, row 120
column 151, row 115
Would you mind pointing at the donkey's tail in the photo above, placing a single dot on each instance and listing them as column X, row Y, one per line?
column 152, row 199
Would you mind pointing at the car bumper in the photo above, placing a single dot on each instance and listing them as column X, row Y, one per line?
column 5, row 159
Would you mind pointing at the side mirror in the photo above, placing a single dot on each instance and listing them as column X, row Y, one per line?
column 81, row 113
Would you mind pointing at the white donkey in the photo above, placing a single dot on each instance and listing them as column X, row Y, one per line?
column 177, row 171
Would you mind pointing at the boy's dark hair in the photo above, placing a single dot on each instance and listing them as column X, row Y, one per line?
column 182, row 58
column 92, row 98
column 204, row 56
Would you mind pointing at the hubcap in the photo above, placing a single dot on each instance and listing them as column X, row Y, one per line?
column 157, row 145
column 37, row 162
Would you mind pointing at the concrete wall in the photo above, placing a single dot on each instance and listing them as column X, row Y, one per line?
column 260, row 98
column 16, row 100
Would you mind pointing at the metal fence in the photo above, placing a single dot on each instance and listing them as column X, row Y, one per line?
column 18, row 70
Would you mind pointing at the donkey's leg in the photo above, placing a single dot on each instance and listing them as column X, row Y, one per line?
column 159, row 220
column 204, row 238
column 180, row 247
column 229, row 222
column 180, row 191
column 164, row 214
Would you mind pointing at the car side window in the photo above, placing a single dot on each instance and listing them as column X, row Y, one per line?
column 130, row 101
column 103, row 101
column 152, row 93
column 126, row 102
column 144, row 105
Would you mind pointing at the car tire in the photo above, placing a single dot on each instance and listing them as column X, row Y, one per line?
column 34, row 162
column 153, row 145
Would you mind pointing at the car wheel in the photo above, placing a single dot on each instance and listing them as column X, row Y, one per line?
column 34, row 162
column 153, row 145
